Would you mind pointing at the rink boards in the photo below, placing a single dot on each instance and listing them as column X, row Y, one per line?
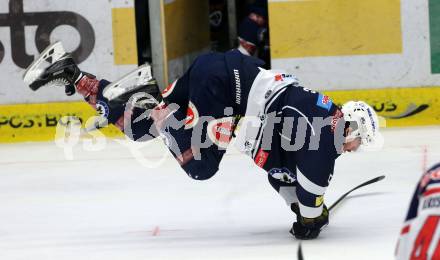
column 398, row 106
column 343, row 45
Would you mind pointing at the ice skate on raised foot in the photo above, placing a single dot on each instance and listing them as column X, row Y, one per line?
column 137, row 87
column 54, row 67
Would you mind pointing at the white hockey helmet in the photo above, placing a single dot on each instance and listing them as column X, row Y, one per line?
column 366, row 122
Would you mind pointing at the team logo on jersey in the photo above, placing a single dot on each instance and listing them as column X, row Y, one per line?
column 102, row 108
column 192, row 116
column 261, row 158
column 282, row 174
column 168, row 90
column 319, row 200
column 324, row 102
column 281, row 77
column 278, row 77
column 220, row 131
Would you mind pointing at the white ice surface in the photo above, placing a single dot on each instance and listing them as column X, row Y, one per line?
column 106, row 205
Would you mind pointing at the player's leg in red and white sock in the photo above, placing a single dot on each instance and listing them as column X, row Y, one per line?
column 55, row 67
column 145, row 118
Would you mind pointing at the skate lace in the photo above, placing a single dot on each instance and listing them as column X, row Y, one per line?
column 58, row 82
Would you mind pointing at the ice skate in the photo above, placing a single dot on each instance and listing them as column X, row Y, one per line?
column 54, row 67
column 137, row 87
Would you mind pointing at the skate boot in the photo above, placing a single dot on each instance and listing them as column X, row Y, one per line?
column 138, row 88
column 54, row 67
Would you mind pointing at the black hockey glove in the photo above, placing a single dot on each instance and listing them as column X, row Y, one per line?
column 309, row 228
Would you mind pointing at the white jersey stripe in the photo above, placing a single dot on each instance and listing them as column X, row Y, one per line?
column 310, row 212
column 432, row 185
column 309, row 185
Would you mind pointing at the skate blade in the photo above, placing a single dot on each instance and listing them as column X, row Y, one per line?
column 139, row 77
column 142, row 100
column 50, row 55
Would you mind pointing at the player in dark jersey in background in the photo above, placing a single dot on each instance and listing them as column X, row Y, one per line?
column 292, row 132
column 420, row 235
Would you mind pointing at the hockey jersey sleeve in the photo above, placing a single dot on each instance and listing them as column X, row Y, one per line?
column 429, row 184
column 420, row 234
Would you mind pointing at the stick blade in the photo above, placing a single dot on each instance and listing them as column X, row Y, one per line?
column 374, row 180
column 380, row 178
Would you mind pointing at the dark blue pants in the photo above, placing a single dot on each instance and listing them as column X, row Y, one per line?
column 201, row 91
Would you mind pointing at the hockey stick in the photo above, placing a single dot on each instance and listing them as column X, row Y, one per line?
column 374, row 180
column 379, row 178
column 300, row 252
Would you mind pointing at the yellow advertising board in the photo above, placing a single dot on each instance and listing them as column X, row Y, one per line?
column 399, row 106
column 334, row 28
column 38, row 122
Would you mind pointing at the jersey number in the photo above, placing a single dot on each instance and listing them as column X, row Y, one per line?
column 424, row 239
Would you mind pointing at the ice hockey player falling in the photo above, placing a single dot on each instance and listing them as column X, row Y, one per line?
column 294, row 133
